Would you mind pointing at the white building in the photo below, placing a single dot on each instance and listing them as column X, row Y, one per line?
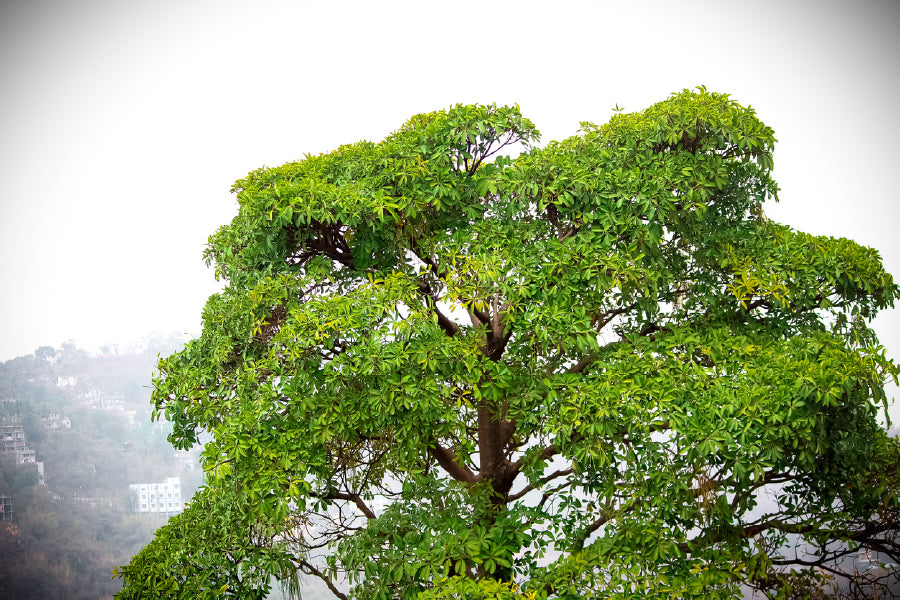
column 55, row 422
column 12, row 443
column 66, row 381
column 164, row 497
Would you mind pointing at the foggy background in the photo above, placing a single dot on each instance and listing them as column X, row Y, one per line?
column 124, row 124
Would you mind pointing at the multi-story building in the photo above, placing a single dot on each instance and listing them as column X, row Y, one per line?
column 100, row 400
column 6, row 510
column 12, row 443
column 164, row 497
column 12, row 437
column 55, row 422
column 66, row 381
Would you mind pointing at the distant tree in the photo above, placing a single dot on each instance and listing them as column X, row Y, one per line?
column 593, row 371
column 71, row 359
column 24, row 381
column 46, row 353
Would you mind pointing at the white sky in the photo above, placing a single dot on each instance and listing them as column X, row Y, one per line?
column 124, row 124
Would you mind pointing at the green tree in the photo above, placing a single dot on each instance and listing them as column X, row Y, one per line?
column 46, row 353
column 200, row 555
column 593, row 371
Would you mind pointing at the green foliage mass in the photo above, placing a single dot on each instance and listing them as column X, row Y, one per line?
column 596, row 370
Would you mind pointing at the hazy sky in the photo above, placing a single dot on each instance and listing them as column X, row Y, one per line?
column 124, row 124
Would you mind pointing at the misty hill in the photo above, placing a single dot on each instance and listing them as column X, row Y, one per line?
column 83, row 424
column 76, row 433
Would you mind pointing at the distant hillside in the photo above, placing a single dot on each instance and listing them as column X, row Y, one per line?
column 82, row 433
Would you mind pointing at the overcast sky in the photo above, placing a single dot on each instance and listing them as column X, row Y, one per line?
column 124, row 124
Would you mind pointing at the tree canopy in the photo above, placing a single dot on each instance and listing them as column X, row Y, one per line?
column 595, row 370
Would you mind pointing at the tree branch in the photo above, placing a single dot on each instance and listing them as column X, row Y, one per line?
column 447, row 461
column 445, row 323
column 311, row 570
column 540, row 483
column 586, row 533
column 547, row 453
column 352, row 498
column 582, row 364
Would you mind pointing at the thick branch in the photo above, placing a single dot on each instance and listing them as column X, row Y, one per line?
column 352, row 498
column 448, row 462
column 445, row 323
column 754, row 530
column 582, row 537
column 478, row 317
column 489, row 449
column 507, row 431
column 497, row 335
column 582, row 364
